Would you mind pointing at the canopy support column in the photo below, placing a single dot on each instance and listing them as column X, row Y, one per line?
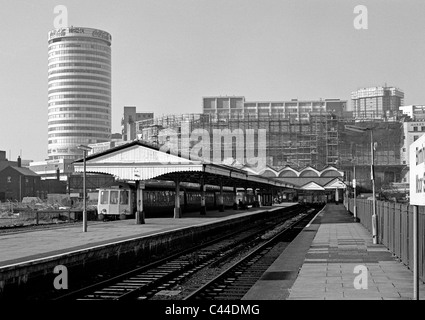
column 140, row 214
column 177, row 209
column 336, row 195
column 203, row 205
column 221, row 198
column 235, row 202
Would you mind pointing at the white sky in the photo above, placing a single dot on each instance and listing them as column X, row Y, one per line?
column 168, row 54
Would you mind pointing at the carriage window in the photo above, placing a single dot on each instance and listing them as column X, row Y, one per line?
column 124, row 197
column 114, row 197
column 104, row 197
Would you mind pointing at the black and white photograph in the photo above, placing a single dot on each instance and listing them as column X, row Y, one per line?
column 212, row 158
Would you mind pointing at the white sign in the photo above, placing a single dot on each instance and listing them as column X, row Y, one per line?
column 417, row 172
column 79, row 32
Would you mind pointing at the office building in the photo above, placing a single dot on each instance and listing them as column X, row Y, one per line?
column 415, row 112
column 412, row 131
column 53, row 169
column 79, row 90
column 238, row 108
column 376, row 103
column 128, row 122
column 155, row 130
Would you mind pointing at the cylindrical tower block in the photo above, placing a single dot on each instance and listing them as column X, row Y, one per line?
column 79, row 90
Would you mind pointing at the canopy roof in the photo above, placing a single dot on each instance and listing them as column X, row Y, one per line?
column 336, row 183
column 140, row 161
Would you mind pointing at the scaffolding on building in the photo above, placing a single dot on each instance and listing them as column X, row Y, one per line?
column 318, row 140
column 290, row 140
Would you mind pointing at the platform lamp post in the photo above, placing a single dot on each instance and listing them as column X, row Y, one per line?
column 85, row 149
column 354, row 190
column 372, row 177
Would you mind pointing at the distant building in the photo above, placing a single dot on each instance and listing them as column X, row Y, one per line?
column 79, row 90
column 237, row 107
column 4, row 162
column 116, row 136
column 415, row 112
column 412, row 131
column 128, row 122
column 376, row 103
column 155, row 130
column 53, row 169
column 18, row 182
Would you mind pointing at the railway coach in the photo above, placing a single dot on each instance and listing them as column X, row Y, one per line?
column 119, row 200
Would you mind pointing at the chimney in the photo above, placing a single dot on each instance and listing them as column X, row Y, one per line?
column 19, row 161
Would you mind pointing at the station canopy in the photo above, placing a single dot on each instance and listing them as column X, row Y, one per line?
column 137, row 160
column 332, row 185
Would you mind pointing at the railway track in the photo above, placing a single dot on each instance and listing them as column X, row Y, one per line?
column 235, row 281
column 144, row 282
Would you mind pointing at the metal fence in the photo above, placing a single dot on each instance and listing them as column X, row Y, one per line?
column 395, row 228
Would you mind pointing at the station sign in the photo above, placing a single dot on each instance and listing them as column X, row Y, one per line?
column 417, row 172
column 79, row 32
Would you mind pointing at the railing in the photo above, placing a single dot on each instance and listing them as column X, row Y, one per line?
column 395, row 228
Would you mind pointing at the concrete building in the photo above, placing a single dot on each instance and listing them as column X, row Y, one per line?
column 355, row 151
column 415, row 112
column 155, row 130
column 376, row 103
column 54, row 169
column 412, row 130
column 128, row 122
column 318, row 142
column 295, row 109
column 79, row 90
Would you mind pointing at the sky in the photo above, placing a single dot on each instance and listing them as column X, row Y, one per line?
column 168, row 54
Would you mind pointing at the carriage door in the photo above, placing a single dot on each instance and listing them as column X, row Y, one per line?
column 103, row 202
column 114, row 202
column 124, row 202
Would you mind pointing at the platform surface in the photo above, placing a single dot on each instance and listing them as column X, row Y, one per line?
column 334, row 258
column 26, row 246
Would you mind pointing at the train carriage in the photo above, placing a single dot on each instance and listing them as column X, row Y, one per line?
column 116, row 202
column 119, row 201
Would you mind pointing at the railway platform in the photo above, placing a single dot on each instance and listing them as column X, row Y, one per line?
column 334, row 258
column 35, row 245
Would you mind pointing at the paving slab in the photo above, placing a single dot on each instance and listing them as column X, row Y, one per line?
column 339, row 255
